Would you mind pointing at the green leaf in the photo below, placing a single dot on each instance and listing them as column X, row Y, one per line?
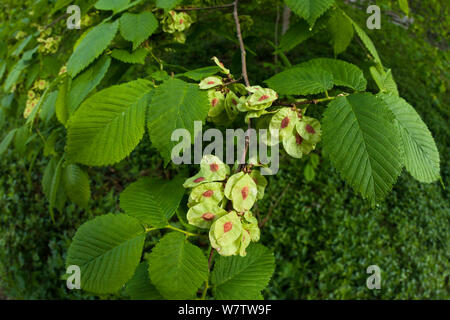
column 114, row 5
column 177, row 268
column 7, row 141
column 167, row 4
column 202, row 73
column 421, row 156
column 344, row 74
column 76, row 184
column 341, row 31
column 301, row 81
column 242, row 278
column 363, row 143
column 61, row 4
column 109, row 124
column 309, row 173
column 51, row 185
column 61, row 107
column 137, row 56
column 49, row 145
column 367, row 42
column 310, row 10
column 16, row 71
column 84, row 83
column 48, row 107
column 295, row 35
column 153, row 201
column 137, row 27
column 21, row 45
column 140, row 288
column 404, row 6
column 91, row 46
column 2, row 68
column 107, row 250
column 175, row 105
column 384, row 80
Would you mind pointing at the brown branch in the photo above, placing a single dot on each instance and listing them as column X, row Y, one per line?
column 272, row 207
column 223, row 6
column 211, row 253
column 244, row 75
column 313, row 101
column 61, row 17
column 232, row 81
column 293, row 104
column 241, row 43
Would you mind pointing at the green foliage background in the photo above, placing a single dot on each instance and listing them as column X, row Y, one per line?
column 324, row 235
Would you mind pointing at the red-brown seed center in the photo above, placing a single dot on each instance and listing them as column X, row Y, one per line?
column 244, row 192
column 199, row 179
column 214, row 167
column 310, row 129
column 208, row 194
column 214, row 102
column 208, row 216
column 181, row 21
column 298, row 139
column 285, row 122
column 227, row 226
column 234, row 102
column 210, row 82
column 264, row 97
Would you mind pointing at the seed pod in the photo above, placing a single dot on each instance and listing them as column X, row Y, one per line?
column 231, row 182
column 211, row 192
column 196, row 180
column 245, row 241
column 283, row 122
column 221, row 66
column 213, row 168
column 203, row 215
column 217, row 103
column 244, row 194
column 225, row 234
column 309, row 129
column 250, row 224
column 231, row 102
column 261, row 182
column 255, row 114
column 296, row 146
column 210, row 82
column 262, row 96
column 182, row 21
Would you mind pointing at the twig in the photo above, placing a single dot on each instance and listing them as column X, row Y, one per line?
column 241, row 43
column 244, row 75
column 277, row 22
column 61, row 17
column 211, row 253
column 272, row 207
column 232, row 81
column 223, row 6
column 313, row 101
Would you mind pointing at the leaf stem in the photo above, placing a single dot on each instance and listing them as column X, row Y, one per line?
column 187, row 233
column 313, row 101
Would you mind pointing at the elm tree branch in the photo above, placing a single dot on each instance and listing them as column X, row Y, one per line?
column 223, row 6
column 244, row 75
column 241, row 43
